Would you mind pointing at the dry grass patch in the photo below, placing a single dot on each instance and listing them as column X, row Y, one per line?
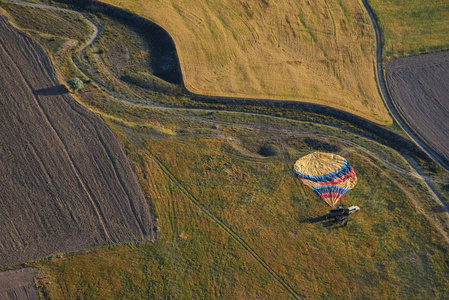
column 313, row 51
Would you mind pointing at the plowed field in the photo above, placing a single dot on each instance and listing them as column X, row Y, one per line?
column 65, row 182
column 420, row 88
column 19, row 284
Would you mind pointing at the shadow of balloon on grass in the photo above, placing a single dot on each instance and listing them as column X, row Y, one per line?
column 324, row 221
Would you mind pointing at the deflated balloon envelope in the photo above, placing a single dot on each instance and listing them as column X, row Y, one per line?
column 329, row 175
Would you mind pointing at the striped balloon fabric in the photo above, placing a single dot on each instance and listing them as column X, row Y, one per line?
column 329, row 175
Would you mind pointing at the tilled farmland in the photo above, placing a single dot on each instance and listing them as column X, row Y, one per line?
column 19, row 284
column 65, row 181
column 419, row 86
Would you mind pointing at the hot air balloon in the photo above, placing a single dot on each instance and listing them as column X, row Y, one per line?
column 329, row 175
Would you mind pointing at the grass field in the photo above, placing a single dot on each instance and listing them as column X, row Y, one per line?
column 388, row 242
column 412, row 27
column 236, row 224
column 311, row 51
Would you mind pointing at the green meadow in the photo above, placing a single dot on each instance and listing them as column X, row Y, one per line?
column 412, row 27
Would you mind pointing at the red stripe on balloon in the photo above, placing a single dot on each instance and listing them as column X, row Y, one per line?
column 331, row 195
column 340, row 179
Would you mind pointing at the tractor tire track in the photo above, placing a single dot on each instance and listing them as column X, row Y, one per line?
column 415, row 202
column 390, row 105
column 93, row 36
column 66, row 175
column 226, row 228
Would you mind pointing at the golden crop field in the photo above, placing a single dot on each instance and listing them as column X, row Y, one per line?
column 312, row 51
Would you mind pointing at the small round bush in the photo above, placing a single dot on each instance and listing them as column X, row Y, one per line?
column 75, row 84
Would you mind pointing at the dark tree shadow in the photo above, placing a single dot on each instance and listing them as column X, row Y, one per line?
column 54, row 90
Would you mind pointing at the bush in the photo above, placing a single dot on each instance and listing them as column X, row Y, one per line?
column 75, row 84
column 267, row 150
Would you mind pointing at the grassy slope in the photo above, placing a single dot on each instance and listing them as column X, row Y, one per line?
column 313, row 51
column 387, row 244
column 412, row 27
column 390, row 250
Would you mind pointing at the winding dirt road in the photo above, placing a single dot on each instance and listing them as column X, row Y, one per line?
column 95, row 29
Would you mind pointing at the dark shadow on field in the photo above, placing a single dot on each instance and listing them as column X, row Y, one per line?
column 164, row 62
column 325, row 222
column 438, row 209
column 314, row 220
column 355, row 123
column 54, row 90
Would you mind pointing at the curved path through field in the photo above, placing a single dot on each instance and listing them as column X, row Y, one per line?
column 419, row 89
column 390, row 103
column 95, row 30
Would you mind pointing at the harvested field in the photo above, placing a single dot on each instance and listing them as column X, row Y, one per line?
column 19, row 284
column 420, row 88
column 66, row 182
column 310, row 51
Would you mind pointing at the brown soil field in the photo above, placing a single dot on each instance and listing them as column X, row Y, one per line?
column 310, row 51
column 19, row 284
column 419, row 86
column 65, row 181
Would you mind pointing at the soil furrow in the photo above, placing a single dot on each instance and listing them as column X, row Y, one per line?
column 391, row 103
column 61, row 191
column 63, row 147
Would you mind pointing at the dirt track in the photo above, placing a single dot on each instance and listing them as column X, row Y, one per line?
column 420, row 89
column 66, row 183
column 19, row 284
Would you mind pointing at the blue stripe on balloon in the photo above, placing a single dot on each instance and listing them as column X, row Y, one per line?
column 330, row 189
column 345, row 169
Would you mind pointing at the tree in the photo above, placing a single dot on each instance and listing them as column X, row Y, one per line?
column 75, row 84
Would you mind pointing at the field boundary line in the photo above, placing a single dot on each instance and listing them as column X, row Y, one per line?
column 366, row 124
